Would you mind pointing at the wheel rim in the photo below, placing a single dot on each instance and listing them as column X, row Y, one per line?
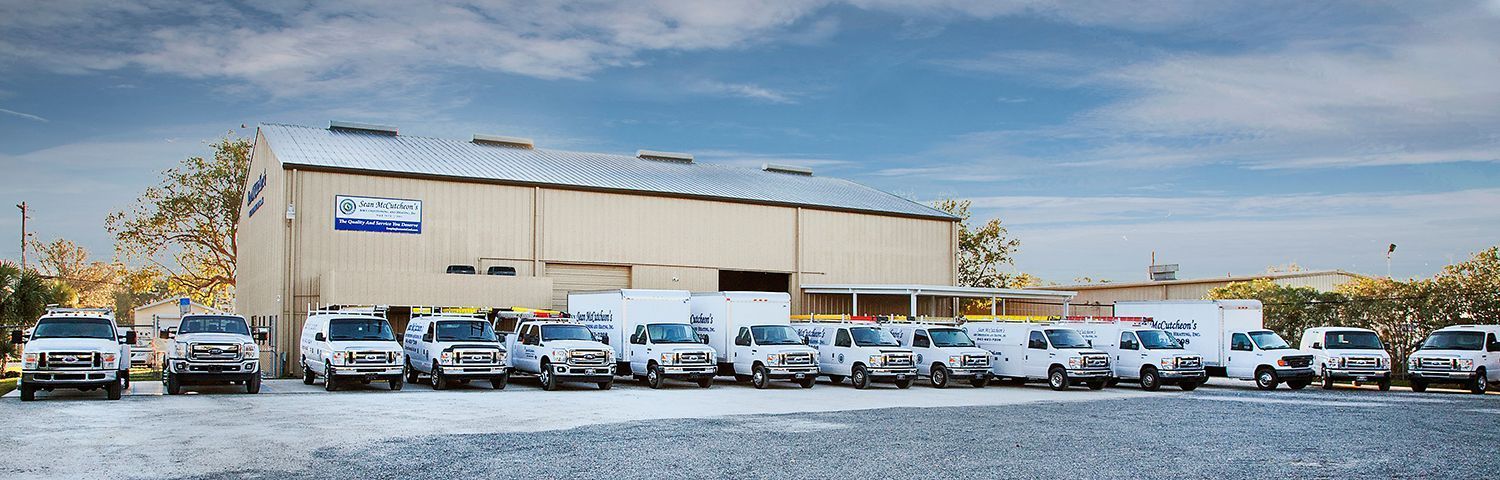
column 1482, row 382
column 1264, row 378
column 1148, row 380
column 759, row 377
column 547, row 376
column 859, row 377
column 1057, row 379
column 940, row 377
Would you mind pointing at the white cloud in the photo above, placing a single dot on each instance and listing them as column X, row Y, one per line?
column 24, row 115
column 743, row 90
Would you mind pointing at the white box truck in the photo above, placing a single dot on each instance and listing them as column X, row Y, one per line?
column 1025, row 351
column 1232, row 338
column 1141, row 352
column 650, row 331
column 944, row 353
column 752, row 335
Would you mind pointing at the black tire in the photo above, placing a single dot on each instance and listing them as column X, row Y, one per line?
column 1150, row 380
column 498, row 383
column 548, row 379
column 397, row 383
column 172, row 385
column 808, row 382
column 1112, row 382
column 113, row 390
column 939, row 376
column 1265, row 379
column 606, row 385
column 1327, row 383
column 28, row 393
column 760, row 378
column 412, row 375
column 1418, row 386
column 252, row 386
column 1097, row 384
column 328, row 382
column 1188, row 386
column 439, row 381
column 1385, row 385
column 654, row 378
column 1057, row 378
column 906, row 383
column 307, row 374
column 125, row 380
column 1481, row 383
column 979, row 382
column 859, row 377
column 836, row 379
column 1297, row 384
column 705, row 382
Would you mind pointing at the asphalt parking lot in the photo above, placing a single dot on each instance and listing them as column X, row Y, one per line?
column 1224, row 430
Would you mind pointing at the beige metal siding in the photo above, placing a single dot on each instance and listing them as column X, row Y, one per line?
column 675, row 278
column 841, row 247
column 434, row 289
column 575, row 278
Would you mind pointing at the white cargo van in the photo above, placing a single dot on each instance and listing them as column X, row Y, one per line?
column 1231, row 337
column 752, row 335
column 861, row 350
column 650, row 331
column 454, row 348
column 1348, row 353
column 1140, row 352
column 1467, row 355
column 1027, row 351
column 75, row 348
column 944, row 353
column 343, row 346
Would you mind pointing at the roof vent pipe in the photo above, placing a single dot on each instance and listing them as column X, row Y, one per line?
column 784, row 168
column 362, row 127
column 668, row 156
column 504, row 141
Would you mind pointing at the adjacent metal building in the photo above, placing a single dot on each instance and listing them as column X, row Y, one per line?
column 357, row 214
column 1100, row 298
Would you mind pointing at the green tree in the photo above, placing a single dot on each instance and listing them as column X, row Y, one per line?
column 983, row 250
column 190, row 218
column 24, row 296
column 94, row 282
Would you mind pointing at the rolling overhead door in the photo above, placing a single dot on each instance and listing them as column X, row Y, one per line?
column 576, row 278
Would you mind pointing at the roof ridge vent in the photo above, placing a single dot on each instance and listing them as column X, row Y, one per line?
column 784, row 168
column 362, row 127
column 504, row 141
column 668, row 156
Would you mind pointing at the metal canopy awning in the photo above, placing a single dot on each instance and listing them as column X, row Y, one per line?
column 997, row 295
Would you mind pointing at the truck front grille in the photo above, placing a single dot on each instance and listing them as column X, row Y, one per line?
column 373, row 358
column 66, row 360
column 588, row 357
column 1299, row 361
column 1362, row 362
column 476, row 357
column 1189, row 362
column 976, row 360
column 1095, row 361
column 898, row 360
column 797, row 358
column 694, row 357
column 214, row 351
column 1436, row 364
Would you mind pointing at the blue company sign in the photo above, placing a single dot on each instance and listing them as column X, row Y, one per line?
column 374, row 214
column 252, row 198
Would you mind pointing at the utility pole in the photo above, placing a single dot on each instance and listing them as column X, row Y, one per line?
column 1388, row 253
column 25, row 214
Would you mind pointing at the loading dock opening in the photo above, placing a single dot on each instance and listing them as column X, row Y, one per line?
column 932, row 300
column 742, row 281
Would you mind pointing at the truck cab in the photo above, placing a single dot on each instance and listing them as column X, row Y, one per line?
column 1263, row 356
column 75, row 348
column 557, row 350
column 945, row 353
column 211, row 350
column 1465, row 355
column 347, row 346
column 454, row 348
column 659, row 351
column 763, row 353
column 1024, row 351
column 862, row 351
column 1348, row 354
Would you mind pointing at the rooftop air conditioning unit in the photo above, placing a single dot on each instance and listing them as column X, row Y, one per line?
column 784, row 168
column 362, row 127
column 668, row 156
column 504, row 141
column 1163, row 272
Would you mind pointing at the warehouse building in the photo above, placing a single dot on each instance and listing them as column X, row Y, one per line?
column 357, row 214
column 1100, row 298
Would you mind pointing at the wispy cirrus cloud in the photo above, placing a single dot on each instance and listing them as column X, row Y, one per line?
column 743, row 90
column 24, row 115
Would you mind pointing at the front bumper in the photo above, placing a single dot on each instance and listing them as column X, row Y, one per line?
column 1091, row 373
column 970, row 372
column 1285, row 374
column 1356, row 375
column 189, row 372
column 1442, row 376
column 585, row 373
column 791, row 373
column 368, row 372
column 69, row 378
column 890, row 374
column 1182, row 375
column 473, row 371
column 689, row 371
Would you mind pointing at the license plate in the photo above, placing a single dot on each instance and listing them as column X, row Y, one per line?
column 1362, row 379
column 900, row 377
column 800, row 376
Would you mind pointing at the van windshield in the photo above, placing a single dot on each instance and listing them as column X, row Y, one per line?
column 775, row 335
column 213, row 324
column 1268, row 340
column 873, row 337
column 1158, row 340
column 566, row 332
column 465, row 331
column 74, row 328
column 1454, row 341
column 1061, row 338
column 671, row 333
column 1352, row 340
column 949, row 337
column 344, row 329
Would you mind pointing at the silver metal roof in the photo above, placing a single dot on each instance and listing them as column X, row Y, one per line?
column 344, row 149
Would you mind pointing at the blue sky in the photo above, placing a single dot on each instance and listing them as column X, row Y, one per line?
column 1224, row 136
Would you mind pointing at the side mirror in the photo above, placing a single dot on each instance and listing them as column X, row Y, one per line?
column 1317, row 346
column 635, row 338
column 319, row 337
column 262, row 335
column 703, row 338
column 1090, row 342
column 17, row 337
column 805, row 341
column 603, row 337
column 131, row 337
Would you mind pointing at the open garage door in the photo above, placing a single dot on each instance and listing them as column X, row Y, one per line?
column 567, row 277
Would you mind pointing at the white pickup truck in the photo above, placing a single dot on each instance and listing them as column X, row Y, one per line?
column 1232, row 338
column 454, row 348
column 651, row 333
column 211, row 350
column 862, row 351
column 944, row 353
column 1025, row 351
column 1467, row 355
column 1142, row 352
column 559, row 350
column 1348, row 354
column 75, row 348
column 752, row 334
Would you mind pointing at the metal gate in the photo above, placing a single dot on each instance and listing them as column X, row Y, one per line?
column 272, row 363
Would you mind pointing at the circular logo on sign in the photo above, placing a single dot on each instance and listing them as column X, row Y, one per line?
column 347, row 206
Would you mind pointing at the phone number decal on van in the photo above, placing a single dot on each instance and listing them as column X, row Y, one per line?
column 373, row 214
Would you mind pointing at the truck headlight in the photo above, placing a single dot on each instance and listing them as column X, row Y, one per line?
column 666, row 358
column 560, row 354
column 1464, row 364
column 180, row 350
column 1167, row 363
column 773, row 359
column 336, row 358
column 1332, row 363
column 876, row 360
column 1411, row 362
column 108, row 359
column 1075, row 363
column 29, row 361
column 955, row 360
column 250, row 350
column 445, row 358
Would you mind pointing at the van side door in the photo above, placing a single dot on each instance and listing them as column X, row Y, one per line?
column 841, row 356
column 1039, row 355
column 638, row 349
column 1240, row 362
column 743, row 351
column 921, row 345
column 1129, row 356
column 526, row 354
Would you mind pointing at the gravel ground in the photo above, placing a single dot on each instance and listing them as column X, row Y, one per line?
column 1223, row 430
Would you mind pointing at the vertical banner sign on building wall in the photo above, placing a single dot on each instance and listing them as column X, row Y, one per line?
column 373, row 214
